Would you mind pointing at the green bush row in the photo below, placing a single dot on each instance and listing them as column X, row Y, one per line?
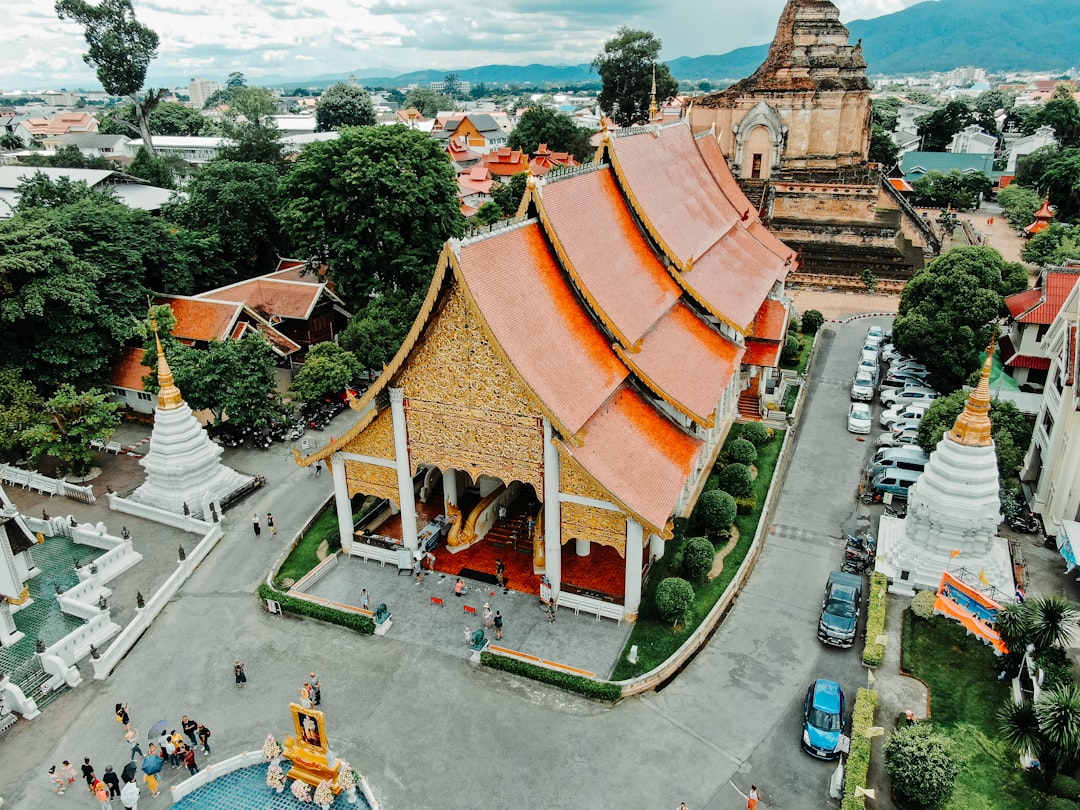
column 354, row 621
column 875, row 620
column 598, row 690
column 858, row 760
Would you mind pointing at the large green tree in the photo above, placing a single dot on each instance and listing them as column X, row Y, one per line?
column 884, row 111
column 958, row 190
column 539, row 125
column 1062, row 112
column 120, row 49
column 938, row 127
column 328, row 369
column 68, row 157
column 1011, row 431
column 167, row 118
column 508, row 195
column 883, row 148
column 21, row 408
column 1019, row 204
column 627, row 65
column 374, row 334
column 154, row 170
column 344, row 105
column 948, row 311
column 426, row 101
column 1055, row 244
column 235, row 204
column 376, row 204
column 73, row 419
column 41, row 191
column 258, row 142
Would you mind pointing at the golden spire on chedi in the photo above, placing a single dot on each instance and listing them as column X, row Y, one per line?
column 169, row 395
column 972, row 427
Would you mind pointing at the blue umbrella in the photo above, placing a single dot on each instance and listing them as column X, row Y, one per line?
column 152, row 764
column 156, row 729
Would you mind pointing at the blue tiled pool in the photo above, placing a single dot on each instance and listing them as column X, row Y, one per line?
column 246, row 789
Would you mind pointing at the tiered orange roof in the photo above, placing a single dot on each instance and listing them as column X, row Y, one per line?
column 727, row 268
column 1042, row 219
column 505, row 162
column 202, row 320
column 544, row 160
column 272, row 297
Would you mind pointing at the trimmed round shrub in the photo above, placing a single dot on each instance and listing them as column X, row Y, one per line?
column 1066, row 787
column 790, row 352
column 754, row 432
column 812, row 321
column 742, row 451
column 735, row 478
column 698, row 558
column 793, row 325
column 921, row 765
column 674, row 598
column 1061, row 804
column 923, row 604
column 715, row 512
column 744, row 506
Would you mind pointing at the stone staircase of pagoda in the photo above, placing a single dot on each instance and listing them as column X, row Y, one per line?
column 749, row 403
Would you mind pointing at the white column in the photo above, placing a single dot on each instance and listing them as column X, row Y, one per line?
column 9, row 633
column 656, row 546
column 552, row 513
column 406, row 497
column 632, row 602
column 581, row 547
column 342, row 502
column 449, row 488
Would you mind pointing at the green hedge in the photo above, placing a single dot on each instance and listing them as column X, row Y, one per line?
column 858, row 760
column 875, row 620
column 598, row 690
column 354, row 621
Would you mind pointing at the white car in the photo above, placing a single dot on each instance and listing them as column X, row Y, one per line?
column 862, row 387
column 898, row 438
column 859, row 418
column 890, row 354
column 875, row 335
column 909, row 393
column 903, row 410
column 867, row 366
column 907, row 365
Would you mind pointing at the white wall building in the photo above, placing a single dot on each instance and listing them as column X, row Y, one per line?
column 1043, row 136
column 199, row 90
column 972, row 140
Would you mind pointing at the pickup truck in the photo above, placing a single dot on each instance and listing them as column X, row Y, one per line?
column 840, row 609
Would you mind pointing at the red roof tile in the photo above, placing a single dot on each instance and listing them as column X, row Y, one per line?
column 1010, row 358
column 638, row 455
column 128, row 370
column 272, row 297
column 539, row 322
column 1042, row 304
column 901, row 185
column 678, row 194
column 762, row 353
column 200, row 318
column 608, row 252
column 771, row 321
column 1021, row 302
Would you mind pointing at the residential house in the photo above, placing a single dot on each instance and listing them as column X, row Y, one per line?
column 544, row 160
column 474, row 188
column 30, row 128
column 917, row 164
column 1023, row 352
column 482, row 132
column 131, row 191
column 1050, row 471
column 1043, row 136
column 505, row 162
column 91, row 144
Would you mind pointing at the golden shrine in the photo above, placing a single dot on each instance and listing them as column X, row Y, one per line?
column 308, row 749
column 571, row 376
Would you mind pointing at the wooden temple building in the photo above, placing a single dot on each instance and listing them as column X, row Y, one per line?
column 572, row 376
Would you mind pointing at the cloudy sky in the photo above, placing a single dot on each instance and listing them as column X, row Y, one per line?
column 267, row 38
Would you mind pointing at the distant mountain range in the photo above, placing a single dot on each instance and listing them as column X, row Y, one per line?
column 999, row 35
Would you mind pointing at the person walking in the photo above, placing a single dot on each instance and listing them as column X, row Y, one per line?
column 239, row 674
column 112, row 780
column 88, row 774
column 189, row 760
column 190, row 727
column 68, row 772
column 122, row 716
column 752, row 798
column 500, row 572
column 270, row 524
column 364, row 599
column 129, row 796
column 101, row 792
column 204, row 738
column 132, row 737
column 498, row 620
column 255, row 524
column 57, row 780
column 489, row 619
column 151, row 784
column 315, row 689
column 318, row 468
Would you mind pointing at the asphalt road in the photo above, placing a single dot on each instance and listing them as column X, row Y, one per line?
column 430, row 731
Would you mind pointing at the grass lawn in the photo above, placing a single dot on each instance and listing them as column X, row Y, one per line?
column 965, row 695
column 804, row 354
column 306, row 554
column 655, row 639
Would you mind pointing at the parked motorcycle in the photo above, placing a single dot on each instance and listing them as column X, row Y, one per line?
column 859, row 566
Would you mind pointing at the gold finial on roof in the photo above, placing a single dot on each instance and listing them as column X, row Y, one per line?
column 652, row 97
column 169, row 396
column 972, row 427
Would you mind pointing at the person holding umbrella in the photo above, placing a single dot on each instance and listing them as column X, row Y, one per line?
column 128, row 774
column 151, row 767
column 129, row 796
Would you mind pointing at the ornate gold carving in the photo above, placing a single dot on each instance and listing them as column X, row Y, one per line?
column 539, row 548
column 596, row 525
column 371, row 479
column 377, row 440
column 465, row 409
column 453, row 537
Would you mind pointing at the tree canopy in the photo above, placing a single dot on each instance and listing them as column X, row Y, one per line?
column 68, row 157
column 949, row 309
column 1019, row 204
column 958, row 190
column 508, row 195
column 1054, row 173
column 883, row 148
column 427, row 101
column 73, row 419
column 376, row 204
column 938, row 127
column 1011, row 430
column 1055, row 244
column 328, row 369
column 1062, row 112
column 539, row 125
column 884, row 111
column 626, row 66
column 41, row 191
column 344, row 105
column 120, row 49
column 167, row 118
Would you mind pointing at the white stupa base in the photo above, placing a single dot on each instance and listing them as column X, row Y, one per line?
column 912, row 566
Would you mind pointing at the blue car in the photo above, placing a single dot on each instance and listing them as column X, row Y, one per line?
column 823, row 719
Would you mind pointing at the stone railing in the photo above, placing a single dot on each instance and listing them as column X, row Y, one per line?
column 30, row 479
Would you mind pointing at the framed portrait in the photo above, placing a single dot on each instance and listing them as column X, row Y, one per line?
column 310, row 727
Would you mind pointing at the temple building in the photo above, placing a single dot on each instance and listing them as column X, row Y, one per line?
column 797, row 136
column 184, row 473
column 571, row 376
column 953, row 511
